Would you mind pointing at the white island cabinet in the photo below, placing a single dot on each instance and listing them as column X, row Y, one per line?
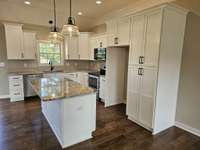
column 69, row 107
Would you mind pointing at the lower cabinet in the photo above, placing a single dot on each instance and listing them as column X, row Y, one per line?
column 141, row 94
column 16, row 88
column 102, row 89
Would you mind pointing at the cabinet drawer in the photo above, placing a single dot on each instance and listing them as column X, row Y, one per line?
column 16, row 84
column 15, row 78
column 16, row 94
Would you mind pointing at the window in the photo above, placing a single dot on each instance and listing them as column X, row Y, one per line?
column 50, row 51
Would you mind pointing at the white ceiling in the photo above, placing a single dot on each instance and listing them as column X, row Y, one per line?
column 40, row 11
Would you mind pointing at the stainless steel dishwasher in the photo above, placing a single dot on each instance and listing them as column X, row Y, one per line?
column 28, row 90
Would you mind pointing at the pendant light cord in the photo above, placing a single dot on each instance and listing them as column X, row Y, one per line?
column 70, row 13
column 55, row 21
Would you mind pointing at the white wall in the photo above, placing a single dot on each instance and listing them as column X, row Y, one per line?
column 3, row 70
column 188, row 106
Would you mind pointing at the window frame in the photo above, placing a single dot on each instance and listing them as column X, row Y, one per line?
column 61, row 53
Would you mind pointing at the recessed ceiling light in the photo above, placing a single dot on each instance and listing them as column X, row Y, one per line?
column 80, row 13
column 98, row 2
column 27, row 2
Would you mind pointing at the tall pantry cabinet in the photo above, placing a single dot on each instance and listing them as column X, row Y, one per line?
column 157, row 37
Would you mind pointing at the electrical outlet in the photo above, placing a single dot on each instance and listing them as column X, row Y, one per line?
column 2, row 64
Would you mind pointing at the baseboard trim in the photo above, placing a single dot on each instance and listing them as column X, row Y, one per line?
column 187, row 128
column 4, row 96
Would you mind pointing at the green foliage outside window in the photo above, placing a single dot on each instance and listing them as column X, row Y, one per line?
column 50, row 51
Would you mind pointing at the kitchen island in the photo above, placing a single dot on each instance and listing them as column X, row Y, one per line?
column 69, row 107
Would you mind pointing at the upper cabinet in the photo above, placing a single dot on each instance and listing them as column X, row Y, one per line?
column 20, row 45
column 71, row 48
column 29, row 42
column 14, row 41
column 84, row 50
column 145, row 39
column 119, row 32
column 77, row 47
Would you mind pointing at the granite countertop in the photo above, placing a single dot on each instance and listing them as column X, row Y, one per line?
column 58, row 89
column 43, row 72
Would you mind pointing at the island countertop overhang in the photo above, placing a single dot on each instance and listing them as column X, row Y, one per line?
column 54, row 88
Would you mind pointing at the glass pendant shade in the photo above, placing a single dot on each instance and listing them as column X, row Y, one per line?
column 55, row 37
column 70, row 29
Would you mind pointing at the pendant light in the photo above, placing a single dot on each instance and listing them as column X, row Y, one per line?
column 54, row 35
column 70, row 28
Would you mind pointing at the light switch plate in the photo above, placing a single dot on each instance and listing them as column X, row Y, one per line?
column 2, row 64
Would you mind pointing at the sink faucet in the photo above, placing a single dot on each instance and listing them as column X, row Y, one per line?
column 51, row 65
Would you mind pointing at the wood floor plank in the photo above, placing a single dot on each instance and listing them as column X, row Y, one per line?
column 23, row 127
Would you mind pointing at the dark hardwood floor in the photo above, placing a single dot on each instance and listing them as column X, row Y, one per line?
column 23, row 127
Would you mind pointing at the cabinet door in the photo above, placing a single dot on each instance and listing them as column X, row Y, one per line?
column 152, row 38
column 29, row 45
column 147, row 98
column 93, row 44
column 123, row 31
column 133, row 92
column 102, row 88
column 112, row 32
column 72, row 47
column 14, row 41
column 137, row 39
column 84, row 46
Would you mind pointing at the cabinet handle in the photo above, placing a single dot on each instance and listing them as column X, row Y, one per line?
column 101, row 44
column 79, row 56
column 16, row 85
column 22, row 55
column 116, row 40
column 140, row 71
column 16, row 93
column 35, row 55
column 141, row 60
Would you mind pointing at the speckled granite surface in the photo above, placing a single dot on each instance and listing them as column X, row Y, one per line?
column 49, row 89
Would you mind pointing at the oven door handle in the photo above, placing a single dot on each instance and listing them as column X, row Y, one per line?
column 92, row 76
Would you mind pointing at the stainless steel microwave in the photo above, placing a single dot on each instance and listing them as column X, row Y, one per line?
column 100, row 53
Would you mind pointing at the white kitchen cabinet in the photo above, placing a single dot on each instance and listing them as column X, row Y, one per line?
column 16, row 88
column 118, row 32
column 155, row 53
column 29, row 41
column 20, row 45
column 72, row 48
column 133, row 92
column 123, row 31
column 141, row 94
column 84, row 50
column 102, row 89
column 77, row 47
column 14, row 41
column 137, row 39
column 146, row 32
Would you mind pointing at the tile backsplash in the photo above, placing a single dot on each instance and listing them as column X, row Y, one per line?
column 69, row 65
